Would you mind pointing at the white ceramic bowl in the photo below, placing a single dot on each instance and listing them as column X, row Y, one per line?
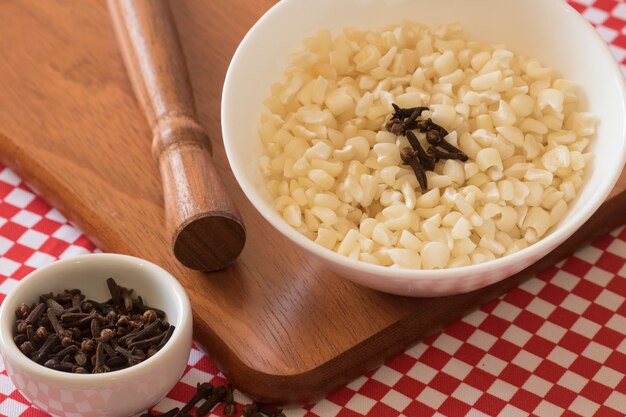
column 549, row 30
column 115, row 394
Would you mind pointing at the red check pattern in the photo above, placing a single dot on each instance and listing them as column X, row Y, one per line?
column 608, row 16
column 555, row 346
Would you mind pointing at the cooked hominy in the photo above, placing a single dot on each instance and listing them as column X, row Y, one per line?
column 337, row 177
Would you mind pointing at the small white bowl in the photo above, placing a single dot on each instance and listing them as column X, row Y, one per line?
column 549, row 30
column 114, row 394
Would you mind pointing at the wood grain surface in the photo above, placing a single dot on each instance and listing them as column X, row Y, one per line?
column 204, row 225
column 281, row 327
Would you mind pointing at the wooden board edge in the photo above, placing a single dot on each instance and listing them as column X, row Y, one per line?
column 315, row 383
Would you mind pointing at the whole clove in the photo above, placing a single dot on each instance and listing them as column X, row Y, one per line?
column 404, row 119
column 202, row 392
column 100, row 307
column 401, row 114
column 229, row 402
column 77, row 298
column 35, row 314
column 139, row 354
column 116, row 362
column 45, row 349
column 108, row 349
column 436, row 140
column 68, row 350
column 428, row 125
column 147, row 331
column 80, row 359
column 56, row 307
column 64, row 367
column 98, row 362
column 87, row 345
column 74, row 317
column 410, row 158
column 27, row 348
column 149, row 316
column 22, row 311
column 426, row 160
column 106, row 335
column 68, row 333
column 128, row 302
column 22, row 326
column 441, row 155
column 142, row 308
column 54, row 322
column 146, row 343
column 166, row 337
column 20, row 338
column 51, row 363
column 30, row 334
column 95, row 328
column 230, row 409
column 114, row 289
column 67, row 340
column 127, row 355
column 217, row 395
column 402, row 122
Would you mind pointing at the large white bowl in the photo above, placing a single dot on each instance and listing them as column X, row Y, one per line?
column 549, row 30
column 114, row 394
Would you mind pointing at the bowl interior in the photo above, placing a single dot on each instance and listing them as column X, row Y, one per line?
column 548, row 30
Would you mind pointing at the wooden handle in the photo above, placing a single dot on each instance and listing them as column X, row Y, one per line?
column 206, row 228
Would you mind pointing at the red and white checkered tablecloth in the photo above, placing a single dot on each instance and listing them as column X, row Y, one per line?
column 556, row 346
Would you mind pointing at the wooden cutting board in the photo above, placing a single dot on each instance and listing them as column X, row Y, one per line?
column 282, row 328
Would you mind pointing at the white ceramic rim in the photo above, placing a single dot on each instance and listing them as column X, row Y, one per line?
column 9, row 348
column 552, row 240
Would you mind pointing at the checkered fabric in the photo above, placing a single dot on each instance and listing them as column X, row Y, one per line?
column 609, row 17
column 556, row 346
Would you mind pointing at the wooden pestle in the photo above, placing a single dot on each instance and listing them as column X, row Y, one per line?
column 205, row 226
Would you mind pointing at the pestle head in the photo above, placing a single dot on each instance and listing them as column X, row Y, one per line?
column 209, row 242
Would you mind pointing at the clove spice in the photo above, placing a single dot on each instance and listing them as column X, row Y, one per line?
column 403, row 122
column 202, row 392
column 410, row 158
column 213, row 396
column 230, row 407
column 68, row 333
